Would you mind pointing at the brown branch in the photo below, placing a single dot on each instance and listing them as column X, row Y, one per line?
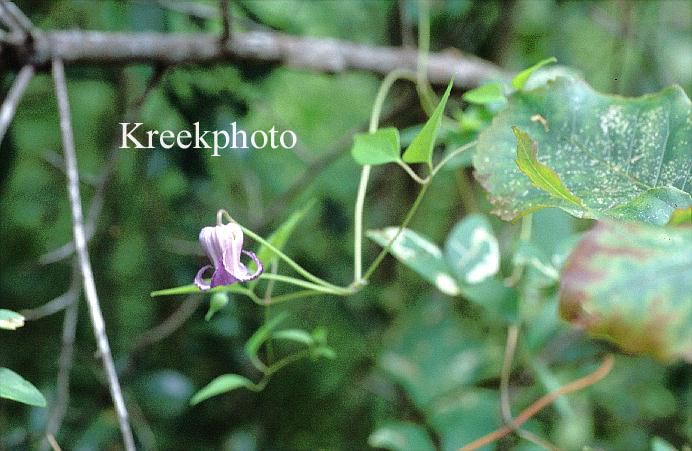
column 581, row 383
column 319, row 54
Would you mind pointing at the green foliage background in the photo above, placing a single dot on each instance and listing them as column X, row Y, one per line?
column 158, row 200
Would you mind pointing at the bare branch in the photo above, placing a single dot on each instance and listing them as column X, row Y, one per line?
column 169, row 325
column 62, row 396
column 19, row 21
column 9, row 106
column 319, row 54
column 61, row 302
column 83, row 254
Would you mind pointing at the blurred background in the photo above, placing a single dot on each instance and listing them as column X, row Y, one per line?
column 156, row 201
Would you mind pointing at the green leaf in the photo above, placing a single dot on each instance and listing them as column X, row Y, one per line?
column 420, row 255
column 297, row 335
column 471, row 250
column 485, row 94
column 432, row 353
column 522, row 77
column 631, row 283
column 261, row 335
column 401, row 436
column 217, row 302
column 541, row 175
column 607, row 151
column 220, row 385
column 323, row 351
column 10, row 320
column 654, row 206
column 421, row 149
column 15, row 387
column 379, row 147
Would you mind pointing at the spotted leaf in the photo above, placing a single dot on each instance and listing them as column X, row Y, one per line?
column 610, row 157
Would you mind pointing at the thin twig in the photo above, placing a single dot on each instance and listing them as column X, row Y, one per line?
column 19, row 19
column 67, row 249
column 83, row 254
column 505, row 404
column 169, row 325
column 53, row 443
column 9, row 106
column 62, row 396
column 61, row 302
column 510, row 348
column 579, row 384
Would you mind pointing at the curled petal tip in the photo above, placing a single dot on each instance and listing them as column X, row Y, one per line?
column 199, row 281
column 258, row 263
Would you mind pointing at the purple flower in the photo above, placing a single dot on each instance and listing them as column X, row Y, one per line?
column 223, row 244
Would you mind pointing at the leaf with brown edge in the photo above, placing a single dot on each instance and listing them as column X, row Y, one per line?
column 631, row 284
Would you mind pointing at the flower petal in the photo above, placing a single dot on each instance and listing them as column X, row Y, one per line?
column 209, row 240
column 222, row 277
column 256, row 274
column 199, row 281
column 231, row 242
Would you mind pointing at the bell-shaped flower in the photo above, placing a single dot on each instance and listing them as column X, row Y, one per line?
column 223, row 244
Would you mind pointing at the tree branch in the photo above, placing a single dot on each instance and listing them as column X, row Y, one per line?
column 83, row 254
column 319, row 54
column 9, row 106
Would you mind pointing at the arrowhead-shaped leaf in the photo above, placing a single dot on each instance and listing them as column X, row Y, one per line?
column 15, row 387
column 485, row 94
column 631, row 283
column 625, row 158
column 522, row 77
column 379, row 147
column 421, row 148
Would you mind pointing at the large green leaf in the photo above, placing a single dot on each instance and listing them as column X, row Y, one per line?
column 15, row 387
column 625, row 158
column 421, row 148
column 631, row 283
column 438, row 358
column 379, row 147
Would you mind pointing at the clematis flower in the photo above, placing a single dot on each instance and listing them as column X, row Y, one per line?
column 223, row 244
